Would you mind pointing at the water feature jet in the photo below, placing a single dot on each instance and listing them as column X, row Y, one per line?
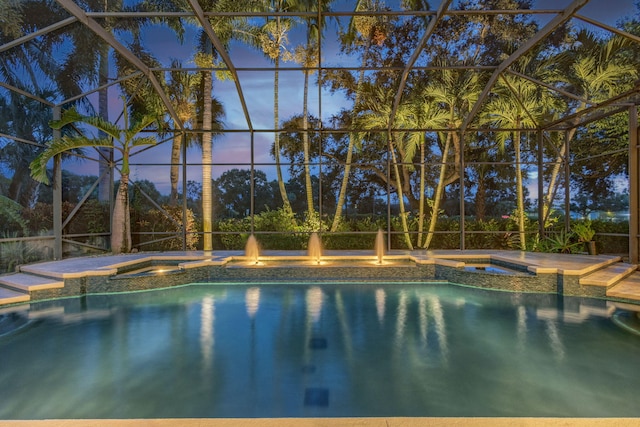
column 379, row 246
column 252, row 250
column 314, row 249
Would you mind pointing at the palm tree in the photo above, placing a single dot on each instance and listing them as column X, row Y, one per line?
column 182, row 90
column 455, row 91
column 11, row 22
column 519, row 103
column 204, row 59
column 363, row 30
column 377, row 103
column 307, row 55
column 89, row 59
column 122, row 140
column 272, row 38
column 209, row 107
column 593, row 70
column 423, row 114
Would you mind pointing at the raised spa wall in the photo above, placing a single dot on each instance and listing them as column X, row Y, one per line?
column 158, row 272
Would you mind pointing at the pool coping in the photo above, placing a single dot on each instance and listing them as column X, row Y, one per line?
column 525, row 271
column 335, row 422
column 105, row 265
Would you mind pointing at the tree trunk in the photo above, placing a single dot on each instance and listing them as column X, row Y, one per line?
column 121, row 223
column 400, row 193
column 305, row 145
column 438, row 195
column 276, row 140
column 175, row 168
column 555, row 172
column 207, row 159
column 352, row 142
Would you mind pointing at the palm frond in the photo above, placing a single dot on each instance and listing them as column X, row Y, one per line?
column 147, row 140
column 39, row 164
column 137, row 127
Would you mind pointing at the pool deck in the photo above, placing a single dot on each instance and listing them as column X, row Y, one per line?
column 601, row 276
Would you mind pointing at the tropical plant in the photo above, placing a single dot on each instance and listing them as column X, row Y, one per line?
column 308, row 57
column 182, row 90
column 10, row 212
column 455, row 91
column 583, row 231
column 363, row 31
column 594, row 70
column 208, row 106
column 562, row 242
column 272, row 38
column 11, row 12
column 377, row 104
column 121, row 139
column 519, row 103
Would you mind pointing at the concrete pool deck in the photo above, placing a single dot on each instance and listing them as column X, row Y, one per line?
column 601, row 276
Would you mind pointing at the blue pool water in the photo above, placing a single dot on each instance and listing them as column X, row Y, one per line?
column 322, row 350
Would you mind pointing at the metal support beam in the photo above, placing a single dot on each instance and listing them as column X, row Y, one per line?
column 26, row 94
column 634, row 186
column 38, row 33
column 535, row 39
column 57, row 193
column 614, row 30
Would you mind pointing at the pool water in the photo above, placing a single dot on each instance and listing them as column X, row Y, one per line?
column 320, row 350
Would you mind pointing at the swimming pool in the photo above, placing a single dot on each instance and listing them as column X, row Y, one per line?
column 318, row 350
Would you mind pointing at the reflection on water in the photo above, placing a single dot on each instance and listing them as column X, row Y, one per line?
column 320, row 350
column 207, row 338
column 401, row 318
column 314, row 303
column 252, row 301
column 381, row 297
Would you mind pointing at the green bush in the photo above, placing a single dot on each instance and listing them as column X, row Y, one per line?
column 611, row 244
column 236, row 233
column 156, row 221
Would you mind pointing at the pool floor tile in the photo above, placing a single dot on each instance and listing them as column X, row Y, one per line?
column 318, row 343
column 316, row 396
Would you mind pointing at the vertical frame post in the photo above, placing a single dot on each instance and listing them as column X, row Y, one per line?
column 184, row 191
column 57, row 192
column 462, row 175
column 634, row 186
column 541, row 219
column 567, row 183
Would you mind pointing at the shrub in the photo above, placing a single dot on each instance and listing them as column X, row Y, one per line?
column 166, row 223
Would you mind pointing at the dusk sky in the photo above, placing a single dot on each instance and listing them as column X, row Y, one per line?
column 233, row 148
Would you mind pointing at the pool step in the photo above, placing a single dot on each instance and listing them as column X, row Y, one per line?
column 9, row 296
column 609, row 276
column 627, row 288
column 27, row 283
